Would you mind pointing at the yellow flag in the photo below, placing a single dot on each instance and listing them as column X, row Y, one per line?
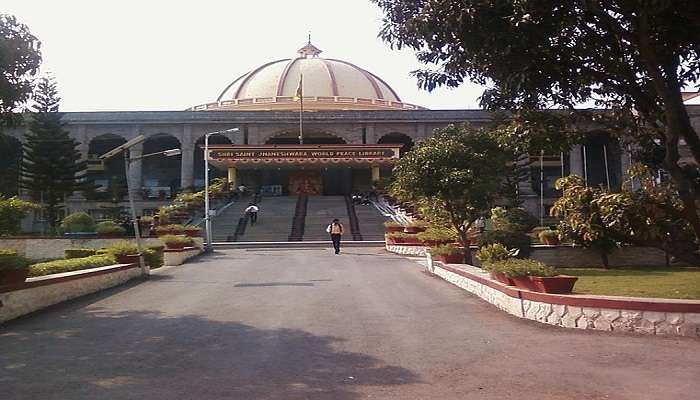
column 299, row 93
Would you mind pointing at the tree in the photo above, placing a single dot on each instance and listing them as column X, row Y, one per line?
column 11, row 150
column 51, row 169
column 459, row 170
column 632, row 57
column 20, row 58
column 12, row 211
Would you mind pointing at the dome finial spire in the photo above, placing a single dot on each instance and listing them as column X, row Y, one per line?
column 309, row 49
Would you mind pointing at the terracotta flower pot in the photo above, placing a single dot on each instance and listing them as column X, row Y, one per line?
column 502, row 278
column 175, row 246
column 560, row 284
column 193, row 233
column 390, row 240
column 411, row 240
column 13, row 276
column 524, row 282
column 128, row 258
column 390, row 229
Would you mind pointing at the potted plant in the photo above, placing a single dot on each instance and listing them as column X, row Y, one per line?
column 124, row 252
column 171, row 229
column 448, row 254
column 536, row 276
column 436, row 236
column 393, row 226
column 416, row 226
column 549, row 237
column 177, row 242
column 193, row 231
column 558, row 284
column 13, row 267
column 403, row 238
column 108, row 229
column 490, row 255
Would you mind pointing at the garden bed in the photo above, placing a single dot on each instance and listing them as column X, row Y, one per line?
column 657, row 282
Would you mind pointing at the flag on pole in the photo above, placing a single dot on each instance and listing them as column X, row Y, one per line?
column 300, row 91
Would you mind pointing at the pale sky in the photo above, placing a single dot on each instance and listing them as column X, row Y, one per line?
column 169, row 55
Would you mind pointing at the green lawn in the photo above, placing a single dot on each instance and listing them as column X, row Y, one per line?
column 674, row 283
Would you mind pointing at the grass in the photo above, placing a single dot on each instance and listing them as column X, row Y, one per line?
column 672, row 283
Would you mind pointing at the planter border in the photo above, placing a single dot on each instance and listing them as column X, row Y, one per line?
column 65, row 277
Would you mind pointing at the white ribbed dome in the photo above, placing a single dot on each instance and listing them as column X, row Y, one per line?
column 327, row 84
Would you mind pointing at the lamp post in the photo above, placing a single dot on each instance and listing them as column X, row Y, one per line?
column 127, row 162
column 207, row 211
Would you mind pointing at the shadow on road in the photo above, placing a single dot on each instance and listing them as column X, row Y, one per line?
column 98, row 353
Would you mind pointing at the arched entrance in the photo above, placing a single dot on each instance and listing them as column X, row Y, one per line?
column 161, row 175
column 199, row 161
column 395, row 138
column 108, row 177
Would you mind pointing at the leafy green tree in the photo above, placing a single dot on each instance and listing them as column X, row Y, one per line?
column 51, row 167
column 632, row 57
column 11, row 150
column 459, row 169
column 12, row 211
column 20, row 58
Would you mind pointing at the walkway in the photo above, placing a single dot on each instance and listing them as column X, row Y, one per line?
column 305, row 324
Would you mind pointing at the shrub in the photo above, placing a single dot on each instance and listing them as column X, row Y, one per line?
column 12, row 211
column 391, row 223
column 510, row 239
column 175, row 241
column 109, row 227
column 439, row 233
column 192, row 228
column 512, row 219
column 548, row 234
column 153, row 256
column 73, row 264
column 79, row 253
column 400, row 235
column 122, row 247
column 78, row 222
column 445, row 250
column 170, row 229
column 11, row 261
column 419, row 223
column 495, row 252
column 514, row 267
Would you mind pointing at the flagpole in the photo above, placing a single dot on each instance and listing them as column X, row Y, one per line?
column 301, row 110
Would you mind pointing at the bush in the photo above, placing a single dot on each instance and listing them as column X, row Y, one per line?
column 170, row 229
column 514, row 267
column 78, row 222
column 11, row 261
column 419, row 223
column 445, row 250
column 512, row 219
column 548, row 234
column 153, row 257
column 73, row 264
column 109, row 227
column 122, row 247
column 391, row 223
column 400, row 235
column 192, row 228
column 510, row 239
column 175, row 241
column 492, row 253
column 12, row 211
column 438, row 233
column 79, row 253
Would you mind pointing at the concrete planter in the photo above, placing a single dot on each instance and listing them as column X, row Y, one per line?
column 13, row 276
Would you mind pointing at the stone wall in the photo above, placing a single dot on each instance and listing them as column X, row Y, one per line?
column 51, row 248
column 660, row 317
column 44, row 291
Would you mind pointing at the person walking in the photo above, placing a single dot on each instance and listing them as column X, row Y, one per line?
column 336, row 231
column 252, row 209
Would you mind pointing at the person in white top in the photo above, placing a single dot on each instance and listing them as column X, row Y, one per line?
column 252, row 209
column 336, row 230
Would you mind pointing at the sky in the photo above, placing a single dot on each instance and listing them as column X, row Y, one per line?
column 170, row 55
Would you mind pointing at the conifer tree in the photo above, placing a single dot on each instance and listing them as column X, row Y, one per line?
column 51, row 167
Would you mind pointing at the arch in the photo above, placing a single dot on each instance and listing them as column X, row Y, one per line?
column 397, row 138
column 11, row 149
column 198, row 167
column 108, row 178
column 161, row 175
column 312, row 137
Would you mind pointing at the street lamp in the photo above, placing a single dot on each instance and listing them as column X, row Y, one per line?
column 127, row 163
column 207, row 212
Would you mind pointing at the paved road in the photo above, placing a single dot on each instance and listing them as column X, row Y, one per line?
column 305, row 324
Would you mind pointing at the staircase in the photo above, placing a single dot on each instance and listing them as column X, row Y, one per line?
column 224, row 225
column 320, row 211
column 274, row 221
column 370, row 221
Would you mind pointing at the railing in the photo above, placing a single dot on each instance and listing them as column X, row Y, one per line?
column 352, row 216
column 299, row 221
column 226, row 104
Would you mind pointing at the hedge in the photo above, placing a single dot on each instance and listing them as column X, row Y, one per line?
column 10, row 260
column 79, row 253
column 72, row 264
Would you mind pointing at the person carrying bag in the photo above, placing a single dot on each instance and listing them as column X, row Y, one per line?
column 336, row 231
